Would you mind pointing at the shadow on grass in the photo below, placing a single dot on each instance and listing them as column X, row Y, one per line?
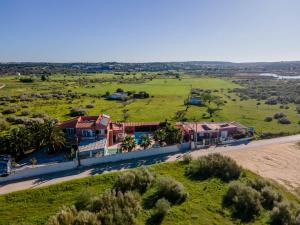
column 150, row 201
column 155, row 219
column 243, row 215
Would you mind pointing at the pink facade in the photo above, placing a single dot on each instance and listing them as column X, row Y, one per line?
column 101, row 127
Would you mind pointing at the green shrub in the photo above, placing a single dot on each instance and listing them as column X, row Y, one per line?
column 78, row 112
column 66, row 216
column 171, row 189
column 297, row 218
column 214, row 165
column 269, row 197
column 3, row 125
column 187, row 158
column 284, row 120
column 281, row 214
column 86, row 218
column 162, row 207
column 83, row 200
column 279, row 115
column 116, row 208
column 25, row 112
column 125, row 181
column 90, row 106
column 139, row 179
column 268, row 119
column 244, row 200
column 258, row 183
column 9, row 111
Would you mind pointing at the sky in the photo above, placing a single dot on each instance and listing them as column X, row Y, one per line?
column 149, row 30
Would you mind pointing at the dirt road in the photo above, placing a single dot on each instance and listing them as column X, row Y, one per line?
column 277, row 159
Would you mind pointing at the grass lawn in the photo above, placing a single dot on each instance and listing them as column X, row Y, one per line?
column 203, row 205
column 168, row 97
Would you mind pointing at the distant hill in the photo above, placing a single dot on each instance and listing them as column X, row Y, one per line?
column 215, row 67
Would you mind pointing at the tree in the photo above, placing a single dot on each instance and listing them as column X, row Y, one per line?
column 173, row 135
column 210, row 111
column 20, row 140
column 160, row 136
column 145, row 141
column 53, row 137
column 128, row 143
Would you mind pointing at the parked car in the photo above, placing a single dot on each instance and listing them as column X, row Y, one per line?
column 5, row 165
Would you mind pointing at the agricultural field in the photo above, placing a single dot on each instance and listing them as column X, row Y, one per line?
column 202, row 206
column 167, row 99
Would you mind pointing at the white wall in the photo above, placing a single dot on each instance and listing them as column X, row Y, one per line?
column 31, row 171
column 130, row 155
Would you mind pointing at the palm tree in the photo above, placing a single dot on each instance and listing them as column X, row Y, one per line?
column 19, row 140
column 145, row 141
column 54, row 138
column 160, row 136
column 173, row 135
column 128, row 143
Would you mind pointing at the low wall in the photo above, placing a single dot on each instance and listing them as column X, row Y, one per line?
column 230, row 142
column 31, row 171
column 131, row 155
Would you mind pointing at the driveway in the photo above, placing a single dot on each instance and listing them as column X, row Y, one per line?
column 253, row 156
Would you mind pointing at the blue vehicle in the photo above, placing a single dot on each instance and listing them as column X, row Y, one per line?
column 5, row 165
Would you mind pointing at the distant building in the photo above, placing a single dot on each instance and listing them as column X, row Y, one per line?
column 194, row 100
column 118, row 96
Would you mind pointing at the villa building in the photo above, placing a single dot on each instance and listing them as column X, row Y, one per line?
column 93, row 134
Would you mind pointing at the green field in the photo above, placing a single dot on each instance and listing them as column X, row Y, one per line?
column 167, row 97
column 202, row 207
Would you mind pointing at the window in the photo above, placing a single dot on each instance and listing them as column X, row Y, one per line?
column 88, row 133
column 70, row 131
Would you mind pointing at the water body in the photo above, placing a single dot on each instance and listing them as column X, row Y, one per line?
column 278, row 76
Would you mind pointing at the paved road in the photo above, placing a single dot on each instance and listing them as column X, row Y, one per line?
column 44, row 180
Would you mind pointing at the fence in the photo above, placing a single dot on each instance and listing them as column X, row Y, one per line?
column 31, row 171
column 132, row 155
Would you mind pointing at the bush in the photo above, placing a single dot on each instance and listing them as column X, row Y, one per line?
column 86, row 218
column 3, row 125
column 25, row 113
column 187, row 158
column 125, row 181
column 116, row 208
column 297, row 218
column 284, row 120
column 268, row 119
column 90, row 106
column 279, row 115
column 39, row 115
column 258, row 183
column 9, row 111
column 78, row 112
column 139, row 179
column 66, row 216
column 269, row 197
column 162, row 207
column 83, row 200
column 244, row 200
column 214, row 165
column 298, row 109
column 171, row 189
column 281, row 214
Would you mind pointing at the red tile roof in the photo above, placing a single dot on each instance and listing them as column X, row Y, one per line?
column 137, row 124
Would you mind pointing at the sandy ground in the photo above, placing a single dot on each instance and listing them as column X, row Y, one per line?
column 277, row 159
column 279, row 162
